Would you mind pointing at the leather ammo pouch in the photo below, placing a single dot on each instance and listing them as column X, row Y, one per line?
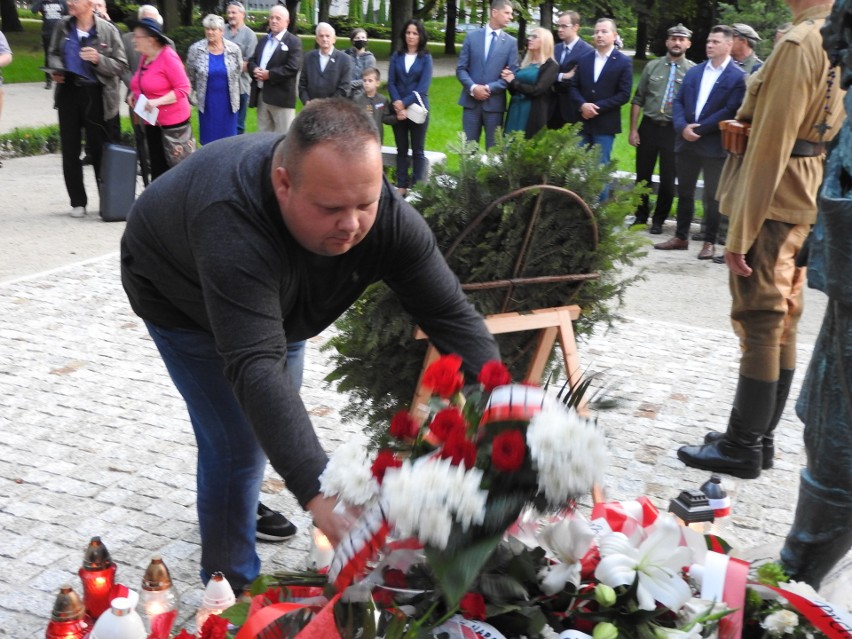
column 735, row 136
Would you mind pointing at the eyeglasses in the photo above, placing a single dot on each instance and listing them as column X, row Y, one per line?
column 565, row 26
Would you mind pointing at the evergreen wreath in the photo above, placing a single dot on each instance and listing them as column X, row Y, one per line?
column 378, row 361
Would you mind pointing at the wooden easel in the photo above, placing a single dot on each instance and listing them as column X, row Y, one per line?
column 550, row 322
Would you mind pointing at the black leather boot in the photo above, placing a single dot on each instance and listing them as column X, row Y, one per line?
column 821, row 535
column 785, row 381
column 740, row 451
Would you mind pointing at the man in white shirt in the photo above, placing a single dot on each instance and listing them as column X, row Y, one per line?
column 326, row 72
column 273, row 68
column 712, row 91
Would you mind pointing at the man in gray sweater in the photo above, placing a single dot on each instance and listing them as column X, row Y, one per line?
column 257, row 241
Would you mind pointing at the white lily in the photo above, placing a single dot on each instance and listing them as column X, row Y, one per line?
column 567, row 541
column 657, row 562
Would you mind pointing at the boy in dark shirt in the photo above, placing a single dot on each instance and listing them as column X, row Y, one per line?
column 377, row 105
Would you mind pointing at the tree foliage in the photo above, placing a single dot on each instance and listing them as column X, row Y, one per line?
column 376, row 358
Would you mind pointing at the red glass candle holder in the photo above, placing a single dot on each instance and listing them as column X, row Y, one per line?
column 98, row 577
column 68, row 619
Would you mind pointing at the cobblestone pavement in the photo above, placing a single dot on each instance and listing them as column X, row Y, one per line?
column 96, row 442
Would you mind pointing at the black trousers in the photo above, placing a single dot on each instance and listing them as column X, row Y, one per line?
column 656, row 141
column 689, row 165
column 81, row 108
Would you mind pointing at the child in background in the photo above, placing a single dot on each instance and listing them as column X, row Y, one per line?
column 377, row 105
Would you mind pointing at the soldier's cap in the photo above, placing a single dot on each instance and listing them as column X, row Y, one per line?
column 745, row 31
column 679, row 30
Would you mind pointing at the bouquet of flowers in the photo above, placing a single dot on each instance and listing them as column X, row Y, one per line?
column 457, row 482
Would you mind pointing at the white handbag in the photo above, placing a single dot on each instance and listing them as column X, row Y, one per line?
column 417, row 112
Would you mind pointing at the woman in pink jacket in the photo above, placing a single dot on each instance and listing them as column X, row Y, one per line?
column 162, row 79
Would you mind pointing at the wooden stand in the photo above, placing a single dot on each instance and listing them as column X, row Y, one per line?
column 550, row 322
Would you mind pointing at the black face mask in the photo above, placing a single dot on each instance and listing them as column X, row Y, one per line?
column 359, row 44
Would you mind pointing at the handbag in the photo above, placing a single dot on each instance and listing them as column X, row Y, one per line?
column 417, row 112
column 178, row 143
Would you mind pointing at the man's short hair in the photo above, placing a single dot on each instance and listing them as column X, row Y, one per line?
column 149, row 11
column 500, row 4
column 238, row 5
column 280, row 8
column 575, row 17
column 324, row 25
column 337, row 121
column 610, row 20
column 724, row 29
column 372, row 71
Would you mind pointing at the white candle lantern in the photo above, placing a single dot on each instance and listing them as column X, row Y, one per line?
column 218, row 597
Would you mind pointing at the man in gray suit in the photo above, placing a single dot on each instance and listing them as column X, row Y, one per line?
column 326, row 72
column 485, row 53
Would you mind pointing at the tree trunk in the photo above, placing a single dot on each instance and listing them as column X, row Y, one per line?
column 9, row 21
column 450, row 33
column 641, row 37
column 171, row 14
column 401, row 12
column 546, row 14
column 324, row 10
column 293, row 8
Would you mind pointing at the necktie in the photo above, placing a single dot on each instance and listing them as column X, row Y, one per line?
column 565, row 52
column 490, row 47
column 669, row 94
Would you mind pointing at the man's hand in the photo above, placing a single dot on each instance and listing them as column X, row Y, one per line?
column 737, row 264
column 332, row 525
column 481, row 92
column 58, row 78
column 633, row 138
column 261, row 75
column 689, row 133
column 589, row 110
column 90, row 54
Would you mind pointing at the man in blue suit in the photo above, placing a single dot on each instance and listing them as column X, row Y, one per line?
column 485, row 53
column 568, row 52
column 602, row 84
column 712, row 91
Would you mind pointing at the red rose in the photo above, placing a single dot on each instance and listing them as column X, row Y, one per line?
column 472, row 606
column 494, row 374
column 215, row 627
column 395, row 578
column 384, row 460
column 508, row 451
column 383, row 598
column 444, row 376
column 184, row 634
column 459, row 450
column 404, row 426
column 447, row 422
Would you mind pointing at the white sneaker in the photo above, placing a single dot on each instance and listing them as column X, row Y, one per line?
column 78, row 211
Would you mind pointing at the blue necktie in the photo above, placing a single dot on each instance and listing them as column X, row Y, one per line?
column 491, row 45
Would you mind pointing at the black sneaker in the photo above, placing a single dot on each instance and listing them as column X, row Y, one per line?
column 273, row 526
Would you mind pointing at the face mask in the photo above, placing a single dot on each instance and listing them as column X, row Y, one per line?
column 359, row 44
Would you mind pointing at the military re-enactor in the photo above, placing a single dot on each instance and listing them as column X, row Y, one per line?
column 770, row 198
column 655, row 136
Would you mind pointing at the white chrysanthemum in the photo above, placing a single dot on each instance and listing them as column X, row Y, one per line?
column 423, row 499
column 781, row 623
column 801, row 588
column 568, row 452
column 348, row 475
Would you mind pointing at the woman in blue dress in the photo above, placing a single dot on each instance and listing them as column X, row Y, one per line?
column 531, row 92
column 214, row 66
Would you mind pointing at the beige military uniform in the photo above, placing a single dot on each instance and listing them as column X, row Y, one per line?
column 783, row 103
column 770, row 195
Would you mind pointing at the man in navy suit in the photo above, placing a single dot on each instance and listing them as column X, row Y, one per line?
column 485, row 53
column 273, row 68
column 326, row 72
column 712, row 91
column 601, row 85
column 568, row 52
